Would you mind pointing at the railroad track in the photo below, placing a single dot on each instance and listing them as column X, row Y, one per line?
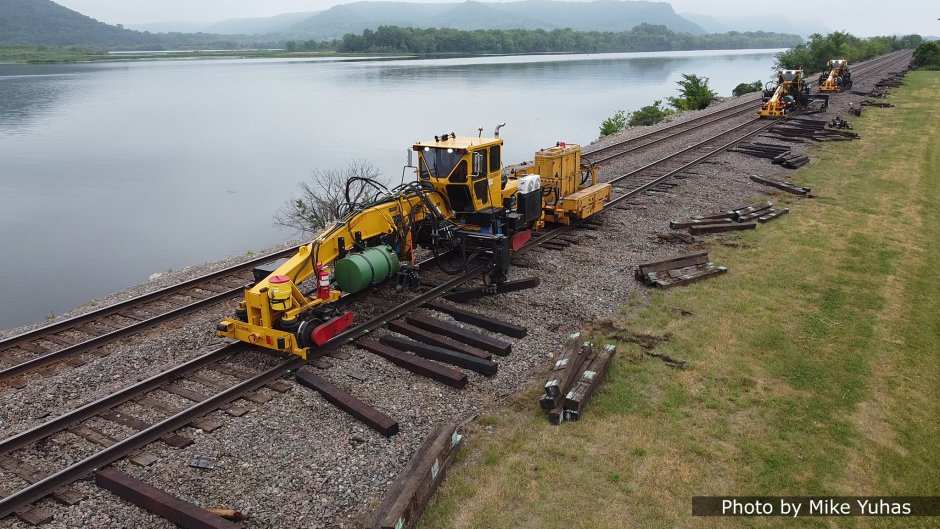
column 48, row 349
column 62, row 342
column 637, row 143
column 230, row 381
column 220, row 395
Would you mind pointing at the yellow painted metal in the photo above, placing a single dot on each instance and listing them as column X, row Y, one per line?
column 837, row 70
column 560, row 169
column 262, row 314
column 280, row 296
column 565, row 200
column 789, row 85
column 584, row 203
column 474, row 183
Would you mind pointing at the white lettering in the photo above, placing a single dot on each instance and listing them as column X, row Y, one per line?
column 787, row 508
column 755, row 507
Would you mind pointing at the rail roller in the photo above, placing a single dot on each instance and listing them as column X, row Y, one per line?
column 837, row 78
column 461, row 206
column 789, row 93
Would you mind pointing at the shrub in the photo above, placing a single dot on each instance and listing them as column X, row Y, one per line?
column 747, row 88
column 330, row 194
column 650, row 114
column 695, row 93
column 927, row 55
column 615, row 123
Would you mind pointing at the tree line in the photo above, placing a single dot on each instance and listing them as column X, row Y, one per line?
column 644, row 37
column 814, row 55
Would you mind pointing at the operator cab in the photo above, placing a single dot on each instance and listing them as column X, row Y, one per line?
column 467, row 171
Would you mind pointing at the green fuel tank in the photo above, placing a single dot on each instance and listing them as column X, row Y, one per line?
column 356, row 272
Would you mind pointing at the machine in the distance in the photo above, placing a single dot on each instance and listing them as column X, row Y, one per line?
column 461, row 207
column 837, row 78
column 787, row 94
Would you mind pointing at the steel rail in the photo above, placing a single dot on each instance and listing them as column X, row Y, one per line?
column 693, row 163
column 91, row 409
column 105, row 339
column 750, row 108
column 44, row 487
column 50, row 484
column 139, row 300
column 715, row 113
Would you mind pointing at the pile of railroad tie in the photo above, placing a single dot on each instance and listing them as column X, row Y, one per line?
column 576, row 375
column 742, row 218
column 798, row 130
column 778, row 154
column 680, row 270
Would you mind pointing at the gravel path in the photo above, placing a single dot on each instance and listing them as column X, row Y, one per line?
column 297, row 461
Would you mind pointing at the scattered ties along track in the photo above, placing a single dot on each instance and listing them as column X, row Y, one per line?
column 49, row 349
column 242, row 382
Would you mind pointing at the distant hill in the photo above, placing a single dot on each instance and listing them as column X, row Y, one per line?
column 258, row 26
column 45, row 22
column 601, row 15
column 173, row 26
column 775, row 23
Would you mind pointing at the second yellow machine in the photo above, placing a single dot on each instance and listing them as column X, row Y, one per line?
column 461, row 205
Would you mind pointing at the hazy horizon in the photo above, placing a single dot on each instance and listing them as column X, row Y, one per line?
column 859, row 17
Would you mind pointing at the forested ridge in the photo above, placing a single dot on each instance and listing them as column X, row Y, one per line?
column 644, row 37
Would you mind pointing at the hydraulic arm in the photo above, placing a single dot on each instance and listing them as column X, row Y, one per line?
column 461, row 207
column 277, row 315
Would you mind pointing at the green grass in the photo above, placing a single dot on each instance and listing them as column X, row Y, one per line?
column 813, row 364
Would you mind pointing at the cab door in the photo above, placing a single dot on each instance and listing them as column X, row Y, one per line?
column 480, row 178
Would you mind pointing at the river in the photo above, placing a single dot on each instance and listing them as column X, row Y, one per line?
column 110, row 172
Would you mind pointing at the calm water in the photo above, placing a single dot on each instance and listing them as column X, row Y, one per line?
column 111, row 172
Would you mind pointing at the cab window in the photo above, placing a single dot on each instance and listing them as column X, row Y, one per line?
column 495, row 162
column 483, row 164
column 439, row 162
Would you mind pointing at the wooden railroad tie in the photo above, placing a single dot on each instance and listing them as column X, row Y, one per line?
column 720, row 228
column 411, row 492
column 575, row 377
column 433, row 352
column 680, row 270
column 789, row 187
column 469, row 294
column 161, row 503
column 479, row 320
column 345, row 401
column 461, row 334
column 421, row 335
column 416, row 364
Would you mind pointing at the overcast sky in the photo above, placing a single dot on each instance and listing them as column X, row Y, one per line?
column 861, row 17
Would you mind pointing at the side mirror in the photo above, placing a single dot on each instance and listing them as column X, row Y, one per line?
column 410, row 158
column 477, row 163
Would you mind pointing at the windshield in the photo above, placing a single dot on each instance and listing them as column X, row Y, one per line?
column 439, row 162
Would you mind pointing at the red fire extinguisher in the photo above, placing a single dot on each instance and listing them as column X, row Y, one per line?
column 323, row 281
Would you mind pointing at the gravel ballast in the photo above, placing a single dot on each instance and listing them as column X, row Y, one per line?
column 296, row 460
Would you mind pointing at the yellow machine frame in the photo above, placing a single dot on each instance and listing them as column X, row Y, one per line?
column 261, row 316
column 460, row 182
column 837, row 71
column 560, row 170
column 789, row 83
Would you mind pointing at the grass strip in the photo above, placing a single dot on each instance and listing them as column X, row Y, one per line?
column 814, row 364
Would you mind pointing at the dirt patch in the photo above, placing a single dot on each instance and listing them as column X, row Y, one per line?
column 647, row 342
